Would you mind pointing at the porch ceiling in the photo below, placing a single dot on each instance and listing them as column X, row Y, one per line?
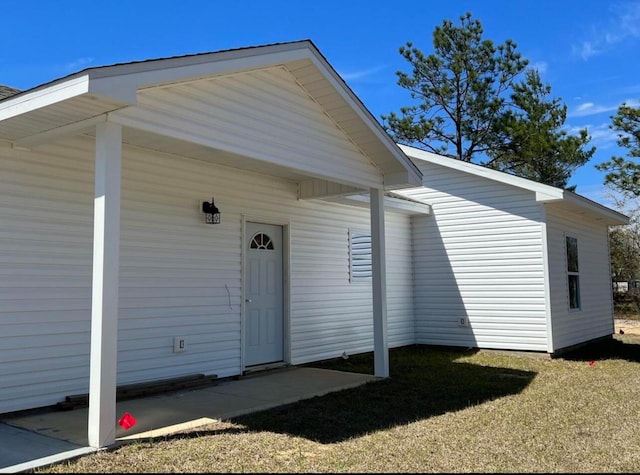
column 74, row 104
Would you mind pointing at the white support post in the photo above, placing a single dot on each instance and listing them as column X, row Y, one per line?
column 104, row 304
column 380, row 342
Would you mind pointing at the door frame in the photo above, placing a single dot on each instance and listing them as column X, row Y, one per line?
column 286, row 290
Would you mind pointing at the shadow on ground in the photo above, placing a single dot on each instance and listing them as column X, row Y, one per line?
column 425, row 382
column 618, row 347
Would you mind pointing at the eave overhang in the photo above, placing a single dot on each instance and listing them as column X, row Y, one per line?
column 543, row 193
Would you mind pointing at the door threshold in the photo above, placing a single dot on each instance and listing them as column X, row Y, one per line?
column 264, row 367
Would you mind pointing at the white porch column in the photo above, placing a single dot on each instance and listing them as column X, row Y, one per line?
column 106, row 266
column 380, row 343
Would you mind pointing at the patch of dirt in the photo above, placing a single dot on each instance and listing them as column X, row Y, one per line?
column 628, row 326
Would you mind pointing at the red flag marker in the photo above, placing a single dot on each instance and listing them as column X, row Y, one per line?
column 127, row 421
column 592, row 363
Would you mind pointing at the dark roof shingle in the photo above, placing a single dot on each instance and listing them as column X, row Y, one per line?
column 6, row 91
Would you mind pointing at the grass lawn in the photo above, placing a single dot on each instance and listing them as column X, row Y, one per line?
column 442, row 410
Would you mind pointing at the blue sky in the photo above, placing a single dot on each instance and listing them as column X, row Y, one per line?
column 587, row 50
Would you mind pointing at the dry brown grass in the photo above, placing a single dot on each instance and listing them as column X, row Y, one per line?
column 443, row 410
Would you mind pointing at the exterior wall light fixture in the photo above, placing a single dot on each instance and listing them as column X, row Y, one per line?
column 211, row 212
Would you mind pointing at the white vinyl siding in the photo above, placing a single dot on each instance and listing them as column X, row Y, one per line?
column 399, row 253
column 594, row 318
column 178, row 275
column 46, row 206
column 478, row 258
column 265, row 115
column 330, row 315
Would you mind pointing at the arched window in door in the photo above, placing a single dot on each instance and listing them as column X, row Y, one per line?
column 261, row 241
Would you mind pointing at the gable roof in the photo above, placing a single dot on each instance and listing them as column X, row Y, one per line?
column 81, row 98
column 544, row 193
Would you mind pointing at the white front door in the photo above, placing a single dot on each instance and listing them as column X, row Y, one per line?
column 264, row 339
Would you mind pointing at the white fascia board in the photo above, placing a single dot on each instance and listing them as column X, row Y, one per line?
column 58, row 92
column 391, row 203
column 542, row 197
column 543, row 192
column 399, row 180
column 611, row 216
column 412, row 206
column 129, row 78
column 121, row 82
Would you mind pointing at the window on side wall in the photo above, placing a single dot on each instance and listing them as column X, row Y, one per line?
column 573, row 272
column 360, row 255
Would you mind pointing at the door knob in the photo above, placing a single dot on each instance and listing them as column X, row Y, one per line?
column 247, row 300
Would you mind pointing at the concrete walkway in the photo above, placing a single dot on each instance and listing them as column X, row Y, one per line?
column 30, row 441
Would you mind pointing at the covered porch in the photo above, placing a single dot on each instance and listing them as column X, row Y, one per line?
column 272, row 133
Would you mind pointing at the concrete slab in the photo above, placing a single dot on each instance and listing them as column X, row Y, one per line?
column 15, row 440
column 170, row 413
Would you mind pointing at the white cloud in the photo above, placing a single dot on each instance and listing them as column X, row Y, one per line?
column 362, row 74
column 79, row 63
column 541, row 66
column 589, row 108
column 585, row 50
column 585, row 107
column 623, row 25
column 629, row 19
column 601, row 135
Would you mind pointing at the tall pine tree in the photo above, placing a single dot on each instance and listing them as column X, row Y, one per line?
column 467, row 104
column 534, row 143
column 624, row 173
column 460, row 91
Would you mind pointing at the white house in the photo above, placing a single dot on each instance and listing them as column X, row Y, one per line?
column 505, row 262
column 110, row 274
column 106, row 257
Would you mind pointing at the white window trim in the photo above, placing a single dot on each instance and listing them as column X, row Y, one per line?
column 357, row 279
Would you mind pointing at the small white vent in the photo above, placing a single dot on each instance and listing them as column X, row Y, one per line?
column 360, row 256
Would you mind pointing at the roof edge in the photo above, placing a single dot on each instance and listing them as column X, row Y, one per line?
column 544, row 193
column 613, row 217
column 151, row 64
column 26, row 101
column 414, row 175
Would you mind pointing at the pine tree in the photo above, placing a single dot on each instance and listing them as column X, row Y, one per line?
column 468, row 105
column 624, row 173
column 534, row 143
column 460, row 89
